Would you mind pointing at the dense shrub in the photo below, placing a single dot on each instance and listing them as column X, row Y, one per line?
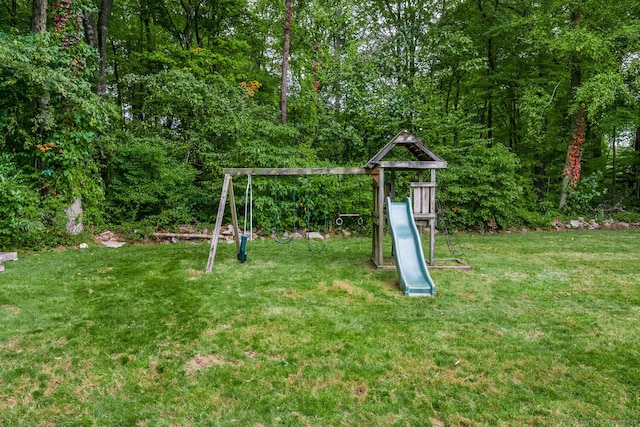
column 627, row 216
column 21, row 219
column 145, row 184
column 480, row 187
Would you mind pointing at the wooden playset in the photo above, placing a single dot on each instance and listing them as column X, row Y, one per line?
column 383, row 173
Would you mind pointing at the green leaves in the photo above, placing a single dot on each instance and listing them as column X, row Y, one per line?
column 480, row 186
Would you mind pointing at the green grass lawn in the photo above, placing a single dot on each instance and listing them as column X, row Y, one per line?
column 543, row 331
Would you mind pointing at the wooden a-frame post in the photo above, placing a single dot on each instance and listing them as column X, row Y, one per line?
column 227, row 189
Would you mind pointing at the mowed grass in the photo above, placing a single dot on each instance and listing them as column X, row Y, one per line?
column 543, row 331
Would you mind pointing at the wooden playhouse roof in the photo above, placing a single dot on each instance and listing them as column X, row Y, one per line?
column 425, row 158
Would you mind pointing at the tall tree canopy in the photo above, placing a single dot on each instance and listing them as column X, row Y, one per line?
column 533, row 103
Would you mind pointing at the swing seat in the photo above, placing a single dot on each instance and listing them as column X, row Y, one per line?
column 242, row 253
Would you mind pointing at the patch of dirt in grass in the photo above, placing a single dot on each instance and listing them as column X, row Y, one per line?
column 85, row 389
column 344, row 285
column 215, row 331
column 533, row 335
column 194, row 274
column 9, row 403
column 59, row 342
column 360, row 391
column 351, row 289
column 321, row 382
column 302, row 419
column 392, row 288
column 292, row 294
column 11, row 309
column 200, row 362
column 52, row 385
column 13, row 345
column 467, row 296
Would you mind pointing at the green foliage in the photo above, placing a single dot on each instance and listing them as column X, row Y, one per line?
column 30, row 217
column 627, row 216
column 146, row 184
column 21, row 222
column 586, row 197
column 49, row 119
column 202, row 83
column 480, row 187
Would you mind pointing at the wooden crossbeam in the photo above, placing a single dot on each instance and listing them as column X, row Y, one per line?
column 296, row 171
column 411, row 165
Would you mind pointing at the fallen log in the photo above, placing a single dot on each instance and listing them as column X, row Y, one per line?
column 183, row 235
column 7, row 256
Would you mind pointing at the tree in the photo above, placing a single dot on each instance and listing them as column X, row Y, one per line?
column 288, row 17
column 96, row 36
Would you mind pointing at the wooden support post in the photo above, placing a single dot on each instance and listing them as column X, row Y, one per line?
column 432, row 221
column 392, row 186
column 375, row 187
column 216, row 233
column 380, row 231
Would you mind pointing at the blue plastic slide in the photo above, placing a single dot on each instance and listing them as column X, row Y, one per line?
column 412, row 268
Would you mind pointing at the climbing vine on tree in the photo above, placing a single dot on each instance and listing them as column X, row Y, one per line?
column 574, row 155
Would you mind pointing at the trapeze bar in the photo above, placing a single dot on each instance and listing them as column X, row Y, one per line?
column 296, row 171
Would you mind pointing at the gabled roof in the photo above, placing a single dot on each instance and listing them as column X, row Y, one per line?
column 425, row 158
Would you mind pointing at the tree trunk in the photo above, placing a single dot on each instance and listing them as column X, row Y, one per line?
column 39, row 16
column 116, row 76
column 96, row 35
column 574, row 151
column 491, row 67
column 285, row 59
column 13, row 10
column 103, row 23
column 614, row 167
column 337, row 52
column 39, row 25
column 90, row 30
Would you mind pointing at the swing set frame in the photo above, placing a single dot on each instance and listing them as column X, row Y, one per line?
column 227, row 191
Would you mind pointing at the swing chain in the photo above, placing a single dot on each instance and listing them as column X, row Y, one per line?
column 248, row 207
